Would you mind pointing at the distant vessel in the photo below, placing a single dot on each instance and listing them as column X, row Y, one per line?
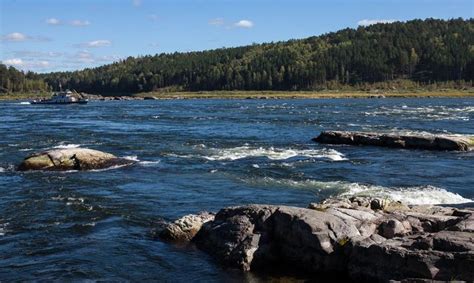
column 62, row 97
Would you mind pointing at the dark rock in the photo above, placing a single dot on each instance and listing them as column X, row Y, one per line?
column 429, row 142
column 344, row 237
column 150, row 98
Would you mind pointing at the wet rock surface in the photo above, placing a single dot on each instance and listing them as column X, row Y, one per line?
column 428, row 142
column 71, row 159
column 356, row 237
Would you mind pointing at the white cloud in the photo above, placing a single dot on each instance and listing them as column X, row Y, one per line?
column 137, row 3
column 216, row 22
column 154, row 17
column 94, row 43
column 15, row 37
column 244, row 24
column 367, row 22
column 20, row 37
column 84, row 57
column 107, row 58
column 42, row 64
column 154, row 44
column 13, row 62
column 53, row 21
column 26, row 64
column 79, row 23
column 36, row 54
column 99, row 43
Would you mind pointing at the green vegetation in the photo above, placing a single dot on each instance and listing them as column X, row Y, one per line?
column 417, row 52
column 24, row 96
column 12, row 80
column 300, row 94
column 419, row 56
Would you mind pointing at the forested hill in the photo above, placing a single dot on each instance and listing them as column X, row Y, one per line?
column 420, row 50
column 12, row 80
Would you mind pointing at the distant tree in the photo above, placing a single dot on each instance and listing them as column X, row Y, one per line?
column 422, row 51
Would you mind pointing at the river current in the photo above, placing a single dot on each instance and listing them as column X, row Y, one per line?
column 196, row 155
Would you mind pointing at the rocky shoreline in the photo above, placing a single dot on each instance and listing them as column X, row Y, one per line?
column 361, row 239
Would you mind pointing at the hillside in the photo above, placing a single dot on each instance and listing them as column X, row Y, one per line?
column 423, row 51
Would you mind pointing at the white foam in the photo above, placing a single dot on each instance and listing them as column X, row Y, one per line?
column 108, row 168
column 134, row 158
column 24, row 103
column 428, row 112
column 3, row 228
column 416, row 195
column 273, row 153
column 2, row 170
column 131, row 158
column 148, row 163
column 66, row 146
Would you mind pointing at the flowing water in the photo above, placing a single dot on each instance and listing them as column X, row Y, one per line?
column 197, row 155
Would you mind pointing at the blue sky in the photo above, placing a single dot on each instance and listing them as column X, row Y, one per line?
column 54, row 35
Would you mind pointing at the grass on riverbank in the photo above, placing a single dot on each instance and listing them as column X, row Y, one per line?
column 24, row 96
column 303, row 94
column 270, row 94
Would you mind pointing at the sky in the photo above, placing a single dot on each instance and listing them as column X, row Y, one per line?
column 60, row 35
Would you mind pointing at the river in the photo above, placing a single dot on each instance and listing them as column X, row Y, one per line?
column 196, row 155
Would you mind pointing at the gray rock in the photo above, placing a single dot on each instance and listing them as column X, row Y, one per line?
column 185, row 228
column 345, row 237
column 238, row 236
column 429, row 142
column 392, row 227
column 71, row 159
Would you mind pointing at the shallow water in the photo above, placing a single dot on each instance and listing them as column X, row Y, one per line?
column 199, row 155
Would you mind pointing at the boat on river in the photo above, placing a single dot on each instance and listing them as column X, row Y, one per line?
column 62, row 97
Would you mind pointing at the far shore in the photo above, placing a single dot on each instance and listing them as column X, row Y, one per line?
column 270, row 94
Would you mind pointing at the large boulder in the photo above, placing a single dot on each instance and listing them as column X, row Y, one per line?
column 414, row 141
column 354, row 238
column 71, row 159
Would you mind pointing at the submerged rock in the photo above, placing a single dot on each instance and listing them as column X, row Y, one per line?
column 429, row 142
column 71, row 159
column 353, row 237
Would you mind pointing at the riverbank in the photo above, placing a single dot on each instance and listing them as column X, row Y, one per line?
column 304, row 94
column 261, row 95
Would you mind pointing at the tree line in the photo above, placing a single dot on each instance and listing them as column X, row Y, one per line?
column 422, row 51
column 13, row 80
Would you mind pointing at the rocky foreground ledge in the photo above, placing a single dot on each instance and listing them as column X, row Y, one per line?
column 71, row 159
column 429, row 142
column 361, row 239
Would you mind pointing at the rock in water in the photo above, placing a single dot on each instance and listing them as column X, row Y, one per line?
column 185, row 228
column 71, row 159
column 355, row 238
column 429, row 142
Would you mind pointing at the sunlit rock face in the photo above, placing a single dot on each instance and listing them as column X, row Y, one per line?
column 71, row 159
